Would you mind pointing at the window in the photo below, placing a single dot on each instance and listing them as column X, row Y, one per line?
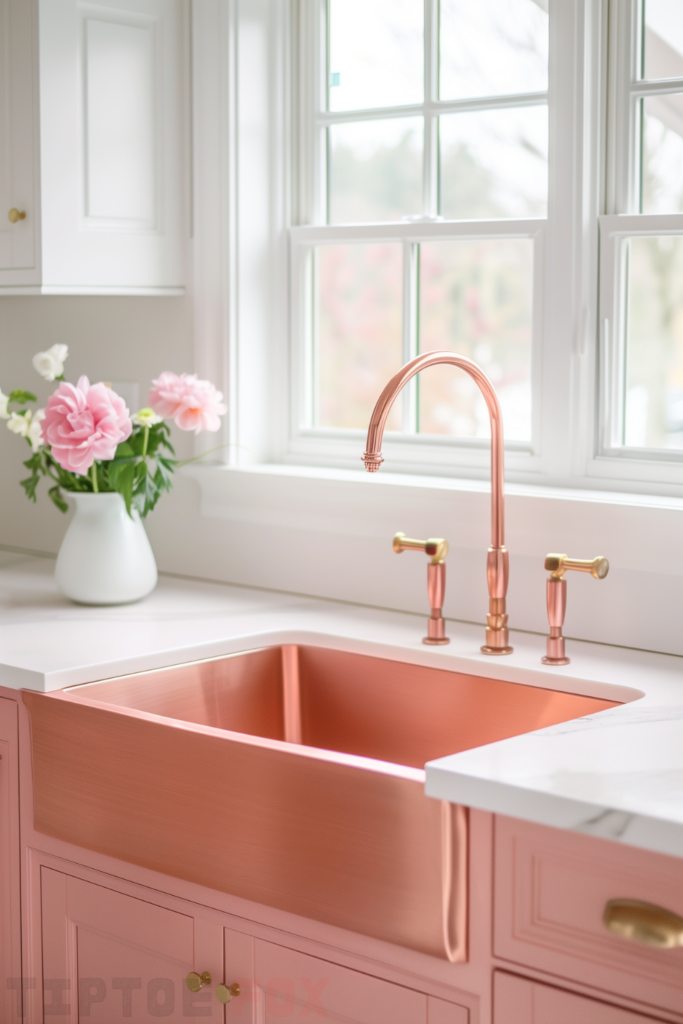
column 641, row 273
column 425, row 140
column 501, row 179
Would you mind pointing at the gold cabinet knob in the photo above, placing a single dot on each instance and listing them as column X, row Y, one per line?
column 196, row 981
column 14, row 215
column 224, row 993
column 644, row 923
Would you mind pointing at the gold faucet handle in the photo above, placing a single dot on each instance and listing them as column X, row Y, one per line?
column 435, row 547
column 557, row 566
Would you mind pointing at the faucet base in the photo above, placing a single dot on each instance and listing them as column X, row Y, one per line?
column 496, row 650
column 435, row 641
column 555, row 661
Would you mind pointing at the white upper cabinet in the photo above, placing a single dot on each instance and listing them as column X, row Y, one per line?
column 92, row 136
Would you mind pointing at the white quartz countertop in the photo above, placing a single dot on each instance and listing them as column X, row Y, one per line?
column 617, row 774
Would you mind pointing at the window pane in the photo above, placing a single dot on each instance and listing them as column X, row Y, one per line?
column 663, row 39
column 654, row 346
column 475, row 299
column 662, row 135
column 492, row 48
column 359, row 331
column 494, row 163
column 375, row 170
column 376, row 53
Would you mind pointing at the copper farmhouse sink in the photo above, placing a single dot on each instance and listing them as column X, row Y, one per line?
column 291, row 775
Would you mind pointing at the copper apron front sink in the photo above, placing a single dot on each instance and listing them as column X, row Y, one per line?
column 292, row 776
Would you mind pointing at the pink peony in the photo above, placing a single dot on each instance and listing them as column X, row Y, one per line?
column 193, row 404
column 84, row 423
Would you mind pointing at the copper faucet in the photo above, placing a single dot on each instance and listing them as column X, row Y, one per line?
column 556, row 597
column 497, row 633
column 437, row 549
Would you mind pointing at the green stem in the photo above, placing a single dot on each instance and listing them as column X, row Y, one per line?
column 93, row 476
column 144, row 443
column 186, row 462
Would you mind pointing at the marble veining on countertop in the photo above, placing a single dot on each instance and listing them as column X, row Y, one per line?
column 617, row 774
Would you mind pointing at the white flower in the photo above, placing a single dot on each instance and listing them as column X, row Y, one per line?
column 27, row 425
column 50, row 364
column 146, row 418
column 34, row 432
column 4, row 399
column 19, row 423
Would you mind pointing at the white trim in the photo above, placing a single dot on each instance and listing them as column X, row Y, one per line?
column 87, row 289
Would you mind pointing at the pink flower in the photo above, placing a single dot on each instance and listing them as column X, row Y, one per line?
column 84, row 423
column 193, row 404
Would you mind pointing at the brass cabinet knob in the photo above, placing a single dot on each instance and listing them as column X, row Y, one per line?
column 196, row 981
column 14, row 215
column 224, row 993
column 644, row 923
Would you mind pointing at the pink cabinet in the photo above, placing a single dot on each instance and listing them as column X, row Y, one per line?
column 520, row 1001
column 551, row 889
column 108, row 954
column 286, row 983
column 10, row 904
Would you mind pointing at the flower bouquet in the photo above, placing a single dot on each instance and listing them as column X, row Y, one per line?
column 86, row 441
column 115, row 466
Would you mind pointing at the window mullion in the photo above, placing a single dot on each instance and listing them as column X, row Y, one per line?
column 410, row 315
column 431, row 67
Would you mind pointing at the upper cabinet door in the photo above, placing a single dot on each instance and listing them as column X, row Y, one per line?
column 111, row 135
column 18, row 188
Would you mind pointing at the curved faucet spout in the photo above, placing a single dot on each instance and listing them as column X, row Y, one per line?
column 497, row 633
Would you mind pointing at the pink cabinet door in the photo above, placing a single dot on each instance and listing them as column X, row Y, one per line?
column 10, row 906
column 282, row 984
column 108, row 955
column 520, row 1001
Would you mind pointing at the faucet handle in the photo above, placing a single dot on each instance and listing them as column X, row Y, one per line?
column 557, row 565
column 435, row 547
column 556, row 596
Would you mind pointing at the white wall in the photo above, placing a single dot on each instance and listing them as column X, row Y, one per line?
column 111, row 339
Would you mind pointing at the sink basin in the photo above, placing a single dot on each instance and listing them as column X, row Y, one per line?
column 290, row 775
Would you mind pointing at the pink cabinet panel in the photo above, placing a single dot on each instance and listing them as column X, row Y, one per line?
column 108, row 955
column 520, row 1001
column 551, row 888
column 279, row 983
column 10, row 906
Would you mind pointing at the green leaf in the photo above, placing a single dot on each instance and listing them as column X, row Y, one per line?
column 58, row 498
column 164, row 473
column 123, row 451
column 21, row 397
column 37, row 467
column 122, row 479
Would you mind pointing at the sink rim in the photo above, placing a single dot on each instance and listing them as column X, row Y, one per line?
column 85, row 694
column 437, row 658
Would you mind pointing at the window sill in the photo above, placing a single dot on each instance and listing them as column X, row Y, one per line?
column 637, row 531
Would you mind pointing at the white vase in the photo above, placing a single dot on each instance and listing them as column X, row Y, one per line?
column 105, row 557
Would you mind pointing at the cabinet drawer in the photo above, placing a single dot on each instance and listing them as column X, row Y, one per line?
column 551, row 888
column 520, row 1001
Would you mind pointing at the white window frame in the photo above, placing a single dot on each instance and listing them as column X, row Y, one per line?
column 249, row 300
column 643, row 468
column 410, row 451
